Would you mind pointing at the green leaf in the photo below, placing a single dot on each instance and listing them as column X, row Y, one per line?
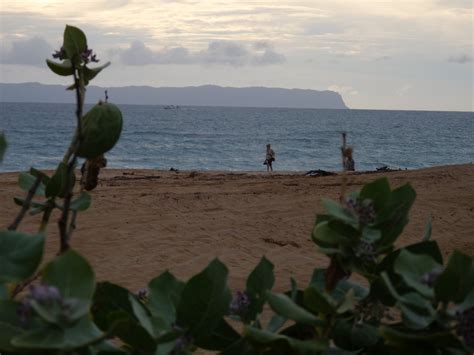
column 53, row 337
column 336, row 210
column 3, row 146
column 64, row 69
column 26, row 182
column 430, row 341
column 412, row 267
column 348, row 303
column 468, row 301
column 276, row 322
column 342, row 288
column 221, row 338
column 259, row 281
column 164, row 293
column 266, row 340
column 417, row 312
column 204, row 300
column 394, row 216
column 55, row 312
column 142, row 314
column 456, row 280
column 10, row 323
column 318, row 301
column 82, row 202
column 91, row 73
column 75, row 43
column 428, row 229
column 7, row 333
column 3, row 292
column 378, row 191
column 57, row 184
column 325, row 235
column 371, row 235
column 353, row 336
column 72, row 275
column 44, row 177
column 284, row 306
column 20, row 255
column 114, row 312
column 106, row 348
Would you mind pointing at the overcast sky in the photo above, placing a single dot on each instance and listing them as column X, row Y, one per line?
column 398, row 54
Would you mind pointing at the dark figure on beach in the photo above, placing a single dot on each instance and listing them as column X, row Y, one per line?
column 269, row 158
column 349, row 164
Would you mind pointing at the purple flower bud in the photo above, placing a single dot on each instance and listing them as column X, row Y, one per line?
column 465, row 327
column 240, row 304
column 365, row 251
column 61, row 54
column 88, row 56
column 142, row 294
column 25, row 311
column 430, row 277
column 44, row 293
column 363, row 210
column 182, row 343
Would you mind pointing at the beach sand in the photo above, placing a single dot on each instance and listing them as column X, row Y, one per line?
column 143, row 222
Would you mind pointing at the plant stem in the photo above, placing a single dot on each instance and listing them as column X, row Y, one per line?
column 64, row 233
column 26, row 204
column 45, row 219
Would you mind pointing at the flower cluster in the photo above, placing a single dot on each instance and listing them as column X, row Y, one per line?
column 465, row 327
column 87, row 56
column 61, row 54
column 363, row 210
column 43, row 294
column 240, row 304
column 365, row 251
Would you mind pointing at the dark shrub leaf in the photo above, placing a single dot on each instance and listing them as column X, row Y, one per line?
column 20, row 255
column 204, row 301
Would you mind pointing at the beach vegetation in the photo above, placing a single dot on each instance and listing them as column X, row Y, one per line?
column 374, row 296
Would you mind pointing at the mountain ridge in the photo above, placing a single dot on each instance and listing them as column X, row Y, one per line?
column 203, row 95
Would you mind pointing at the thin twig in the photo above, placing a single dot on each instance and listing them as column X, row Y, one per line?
column 20, row 287
column 26, row 204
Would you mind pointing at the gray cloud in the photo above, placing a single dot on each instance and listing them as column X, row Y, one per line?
column 31, row 51
column 217, row 52
column 459, row 4
column 460, row 59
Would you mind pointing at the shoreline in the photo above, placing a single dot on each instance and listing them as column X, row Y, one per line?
column 257, row 172
column 143, row 221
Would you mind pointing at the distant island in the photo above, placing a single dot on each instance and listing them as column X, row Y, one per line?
column 207, row 95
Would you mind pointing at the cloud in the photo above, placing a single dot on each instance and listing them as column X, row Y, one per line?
column 459, row 4
column 31, row 51
column 217, row 53
column 343, row 89
column 404, row 89
column 460, row 59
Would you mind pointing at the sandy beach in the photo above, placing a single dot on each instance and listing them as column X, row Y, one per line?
column 142, row 222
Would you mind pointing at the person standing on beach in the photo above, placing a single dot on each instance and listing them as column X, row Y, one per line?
column 269, row 158
column 349, row 164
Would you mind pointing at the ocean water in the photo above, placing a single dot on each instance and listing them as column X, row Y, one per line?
column 224, row 138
